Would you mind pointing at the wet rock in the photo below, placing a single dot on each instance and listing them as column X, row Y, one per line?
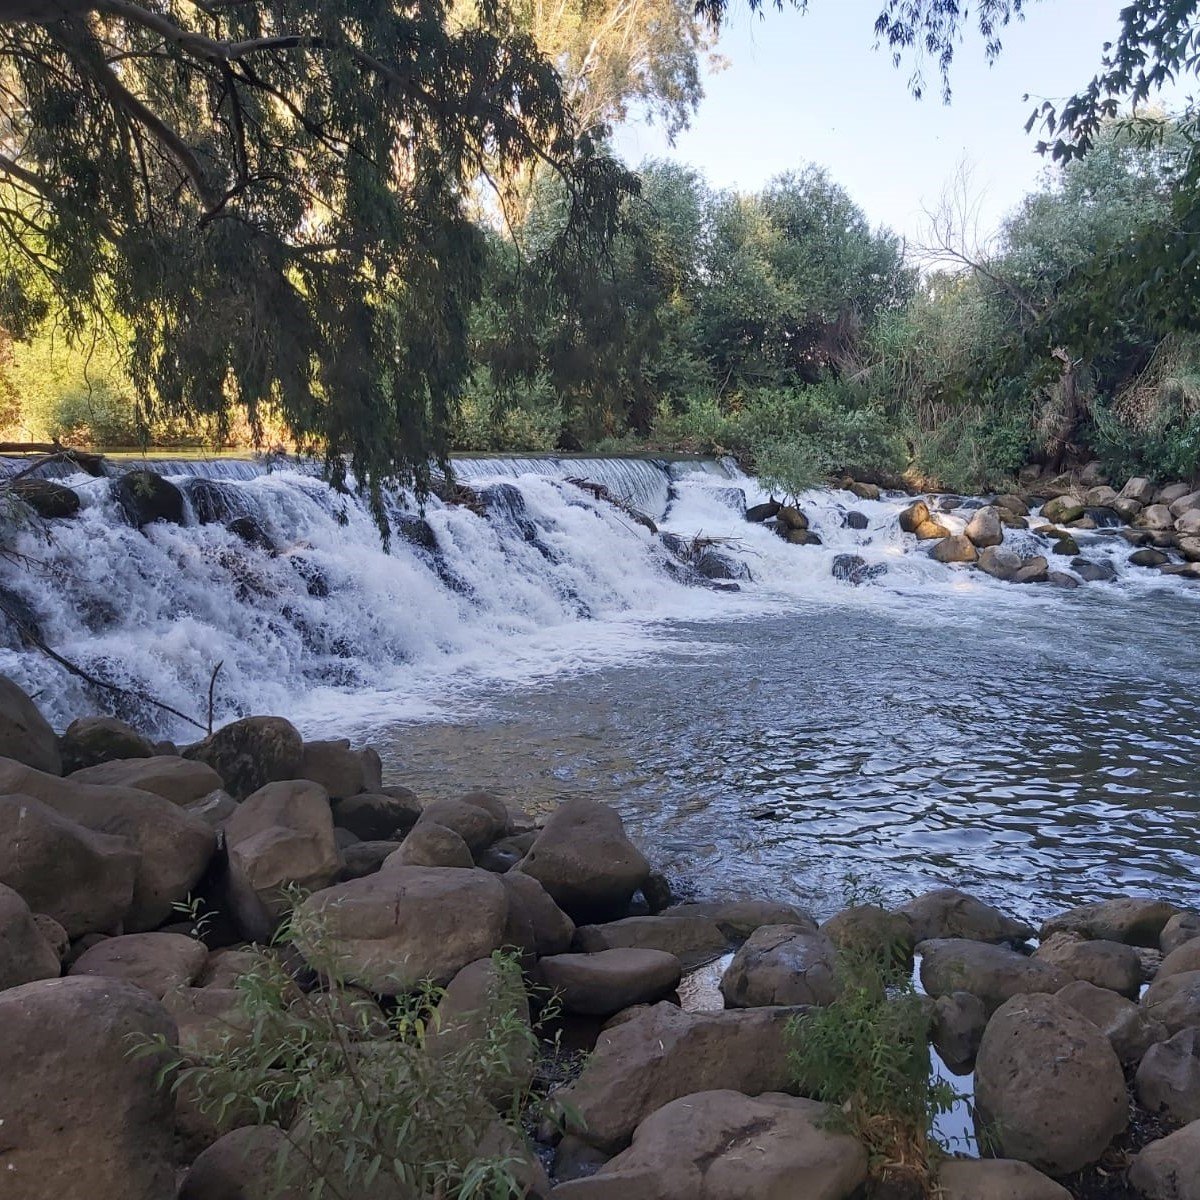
column 575, row 1159
column 762, row 512
column 993, row 973
column 1111, row 965
column 995, row 1179
column 1169, row 1169
column 173, row 847
column 864, row 491
column 1168, row 1079
column 606, row 982
column 92, row 740
column 83, row 879
column 156, row 962
column 738, row 919
column 1140, row 489
column 1064, row 544
column 475, row 825
column 1175, row 1001
column 724, row 1145
column 1181, row 928
column 585, row 861
column 1033, row 570
column 25, row 954
column 145, row 497
column 855, row 520
column 250, row 753
column 712, row 564
column 1124, row 1023
column 1134, row 920
column 660, row 1054
column 24, row 733
column 998, row 562
column 1012, row 504
column 391, row 930
column 375, row 815
column 693, row 939
column 1093, row 572
column 929, row 530
column 1060, row 579
column 50, row 500
column 430, row 845
column 791, row 518
column 1148, row 558
column 83, row 1118
column 782, row 964
column 854, row 569
column 173, row 778
column 342, row 772
column 956, row 1029
column 1048, row 1086
column 914, row 516
column 250, row 532
column 535, row 924
column 984, row 528
column 949, row 913
column 1062, row 509
column 957, row 548
column 656, row 891
column 280, row 837
column 214, row 809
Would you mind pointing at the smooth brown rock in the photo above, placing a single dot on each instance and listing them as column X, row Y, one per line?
column 1181, row 928
column 1186, row 957
column 993, row 973
column 1124, row 1023
column 375, row 816
column 692, row 940
column 25, row 954
column 536, row 926
column 173, row 778
column 738, row 919
column 1169, row 1169
column 611, row 980
column 957, row 548
column 250, row 753
column 342, row 772
column 25, row 734
column 1134, row 920
column 1111, row 965
column 475, row 825
column 1175, row 1001
column 244, row 1164
column 157, row 962
column 996, row 1179
column 914, row 516
column 92, row 740
column 428, row 844
column 949, row 913
column 1168, row 1079
column 782, row 964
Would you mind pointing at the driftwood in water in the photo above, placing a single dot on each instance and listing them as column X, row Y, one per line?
column 600, row 492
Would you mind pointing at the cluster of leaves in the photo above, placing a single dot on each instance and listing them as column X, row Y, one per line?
column 366, row 1092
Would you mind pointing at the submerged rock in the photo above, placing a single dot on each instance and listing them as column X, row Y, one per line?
column 854, row 569
column 53, row 501
column 145, row 497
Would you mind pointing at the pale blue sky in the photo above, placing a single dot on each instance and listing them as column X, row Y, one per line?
column 811, row 87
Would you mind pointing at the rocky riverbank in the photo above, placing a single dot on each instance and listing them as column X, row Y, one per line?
column 136, row 880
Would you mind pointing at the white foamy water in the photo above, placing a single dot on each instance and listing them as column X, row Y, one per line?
column 328, row 627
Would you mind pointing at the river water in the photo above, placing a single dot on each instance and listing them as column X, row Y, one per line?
column 802, row 737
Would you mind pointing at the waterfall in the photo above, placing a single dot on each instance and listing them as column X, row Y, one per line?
column 290, row 589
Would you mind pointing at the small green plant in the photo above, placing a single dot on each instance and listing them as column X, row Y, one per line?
column 867, row 1055
column 369, row 1091
column 192, row 910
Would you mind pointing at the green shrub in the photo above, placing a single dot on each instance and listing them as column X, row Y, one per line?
column 521, row 417
column 365, row 1092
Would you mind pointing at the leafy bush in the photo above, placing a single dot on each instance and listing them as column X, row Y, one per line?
column 364, row 1093
column 522, row 416
column 867, row 1055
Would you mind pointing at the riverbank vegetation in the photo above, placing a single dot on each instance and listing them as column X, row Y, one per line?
column 170, row 281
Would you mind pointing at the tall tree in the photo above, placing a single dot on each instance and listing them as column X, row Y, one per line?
column 273, row 196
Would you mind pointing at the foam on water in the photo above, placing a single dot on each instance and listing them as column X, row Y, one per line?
column 337, row 632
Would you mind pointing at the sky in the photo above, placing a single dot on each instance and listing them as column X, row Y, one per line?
column 810, row 87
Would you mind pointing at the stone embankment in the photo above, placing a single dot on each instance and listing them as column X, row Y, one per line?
column 110, row 845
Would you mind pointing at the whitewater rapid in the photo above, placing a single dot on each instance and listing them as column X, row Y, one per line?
column 337, row 632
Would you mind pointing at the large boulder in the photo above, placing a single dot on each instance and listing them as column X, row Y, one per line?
column 993, row 973
column 25, row 734
column 84, row 1119
column 914, row 516
column 995, row 1179
column 48, row 499
column 431, row 845
column 25, row 954
column 949, row 913
column 145, row 497
column 472, row 822
column 867, row 929
column 342, row 772
column 174, row 847
column 782, row 964
column 1049, row 1089
column 1185, row 957
column 692, row 939
column 956, row 1028
column 179, row 780
column 661, row 1053
column 390, row 931
column 1111, row 965
column 536, row 926
column 984, row 527
column 1125, row 1024
column 250, row 753
column 1175, row 1001
column 584, row 859
column 378, row 815
column 1169, row 1169
column 724, row 1145
column 157, row 962
column 279, row 837
column 957, row 548
column 1134, row 920
column 83, row 879
column 998, row 562
column 92, row 740
column 1168, row 1079
column 607, row 982
column 1139, row 488
column 245, row 1164
column 1154, row 516
column 1182, row 927
column 1062, row 509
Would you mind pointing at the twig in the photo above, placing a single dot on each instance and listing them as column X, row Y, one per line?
column 212, row 684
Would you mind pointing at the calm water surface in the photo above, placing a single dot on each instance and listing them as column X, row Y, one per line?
column 1040, row 752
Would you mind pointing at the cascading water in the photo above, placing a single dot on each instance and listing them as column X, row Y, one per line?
column 311, row 617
